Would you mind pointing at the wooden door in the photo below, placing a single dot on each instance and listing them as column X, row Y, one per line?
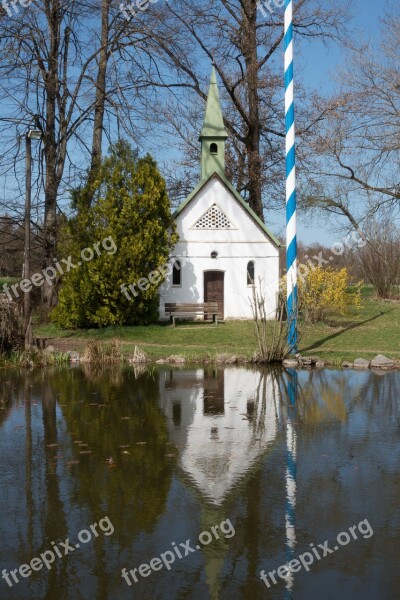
column 214, row 289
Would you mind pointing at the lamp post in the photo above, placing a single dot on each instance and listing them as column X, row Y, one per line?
column 31, row 134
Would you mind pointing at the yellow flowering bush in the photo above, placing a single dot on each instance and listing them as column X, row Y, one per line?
column 326, row 292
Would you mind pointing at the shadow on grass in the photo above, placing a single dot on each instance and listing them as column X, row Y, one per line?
column 319, row 343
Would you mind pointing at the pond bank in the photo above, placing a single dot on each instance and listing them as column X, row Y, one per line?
column 373, row 330
column 114, row 353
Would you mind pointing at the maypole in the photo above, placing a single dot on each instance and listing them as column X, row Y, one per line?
column 291, row 245
column 291, row 476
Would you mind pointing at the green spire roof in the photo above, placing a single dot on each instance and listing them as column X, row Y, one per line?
column 213, row 126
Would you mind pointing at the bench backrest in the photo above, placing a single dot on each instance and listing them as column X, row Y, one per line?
column 172, row 307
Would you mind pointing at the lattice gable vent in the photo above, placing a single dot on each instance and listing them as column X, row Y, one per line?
column 213, row 218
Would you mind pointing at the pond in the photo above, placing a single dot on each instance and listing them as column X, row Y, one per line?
column 199, row 484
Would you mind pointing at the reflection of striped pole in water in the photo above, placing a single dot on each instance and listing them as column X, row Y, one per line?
column 291, row 471
column 291, row 245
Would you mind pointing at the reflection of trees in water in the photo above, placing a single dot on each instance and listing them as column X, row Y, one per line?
column 106, row 408
column 257, row 412
column 317, row 395
column 324, row 394
column 54, row 517
column 11, row 387
column 44, row 516
column 380, row 393
column 133, row 492
column 348, row 459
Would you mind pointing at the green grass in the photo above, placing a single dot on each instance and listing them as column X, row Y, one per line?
column 8, row 280
column 189, row 339
column 371, row 330
column 375, row 329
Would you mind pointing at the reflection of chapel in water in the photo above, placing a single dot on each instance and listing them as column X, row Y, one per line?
column 223, row 422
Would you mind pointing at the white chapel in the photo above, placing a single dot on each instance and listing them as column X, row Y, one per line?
column 224, row 249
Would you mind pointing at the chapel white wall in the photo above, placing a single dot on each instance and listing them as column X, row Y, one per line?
column 235, row 247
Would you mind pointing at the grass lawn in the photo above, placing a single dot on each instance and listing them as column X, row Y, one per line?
column 8, row 280
column 372, row 330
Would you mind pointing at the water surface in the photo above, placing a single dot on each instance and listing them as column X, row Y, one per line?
column 273, row 460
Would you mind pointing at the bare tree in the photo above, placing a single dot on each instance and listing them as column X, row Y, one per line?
column 53, row 71
column 380, row 259
column 245, row 45
column 354, row 161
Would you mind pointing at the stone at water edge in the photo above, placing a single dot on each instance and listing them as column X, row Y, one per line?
column 347, row 365
column 49, row 350
column 221, row 359
column 161, row 361
column 232, row 360
column 308, row 360
column 176, row 359
column 290, row 362
column 382, row 362
column 320, row 364
column 73, row 356
column 361, row 363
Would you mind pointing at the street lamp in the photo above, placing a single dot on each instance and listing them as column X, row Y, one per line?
column 31, row 134
column 34, row 134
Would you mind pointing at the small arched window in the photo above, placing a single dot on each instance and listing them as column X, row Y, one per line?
column 177, row 273
column 214, row 254
column 250, row 272
column 213, row 148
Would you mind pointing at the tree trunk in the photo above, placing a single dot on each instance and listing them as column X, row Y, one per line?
column 50, row 151
column 252, row 139
column 99, row 108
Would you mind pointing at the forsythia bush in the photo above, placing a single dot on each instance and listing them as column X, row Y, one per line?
column 327, row 292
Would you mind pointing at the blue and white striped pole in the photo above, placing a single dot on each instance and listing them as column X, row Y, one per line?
column 291, row 477
column 291, row 245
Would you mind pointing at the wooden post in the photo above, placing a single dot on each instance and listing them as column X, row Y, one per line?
column 27, row 248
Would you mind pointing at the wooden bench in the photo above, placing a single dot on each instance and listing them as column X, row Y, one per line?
column 174, row 310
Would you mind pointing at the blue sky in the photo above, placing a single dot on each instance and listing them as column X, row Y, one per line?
column 318, row 64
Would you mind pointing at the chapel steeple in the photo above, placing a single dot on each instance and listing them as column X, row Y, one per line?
column 213, row 134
